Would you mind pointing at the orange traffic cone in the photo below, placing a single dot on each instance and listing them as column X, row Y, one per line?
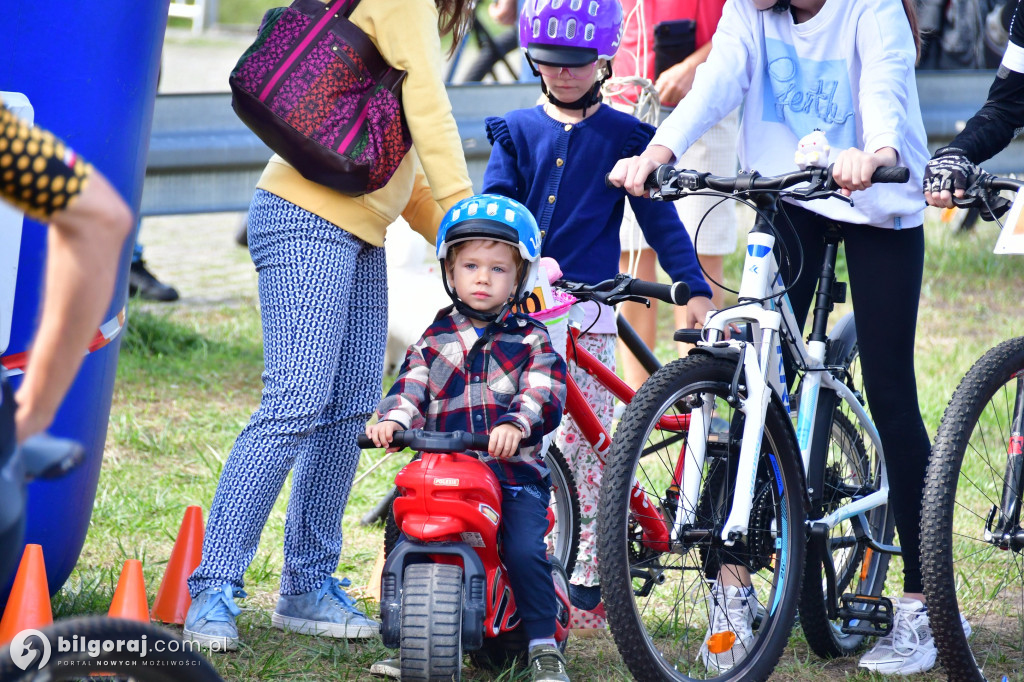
column 129, row 600
column 172, row 600
column 29, row 603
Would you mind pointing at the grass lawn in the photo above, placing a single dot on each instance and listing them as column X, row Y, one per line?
column 188, row 380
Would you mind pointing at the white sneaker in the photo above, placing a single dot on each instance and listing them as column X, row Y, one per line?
column 732, row 613
column 909, row 647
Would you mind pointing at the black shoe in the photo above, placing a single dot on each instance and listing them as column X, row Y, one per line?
column 242, row 235
column 143, row 284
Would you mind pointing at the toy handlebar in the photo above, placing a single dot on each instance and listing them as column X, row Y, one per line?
column 433, row 441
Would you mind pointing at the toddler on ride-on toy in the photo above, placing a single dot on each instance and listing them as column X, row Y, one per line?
column 483, row 368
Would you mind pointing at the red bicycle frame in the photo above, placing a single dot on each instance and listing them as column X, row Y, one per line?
column 647, row 514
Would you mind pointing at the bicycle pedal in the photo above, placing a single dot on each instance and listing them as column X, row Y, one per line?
column 865, row 615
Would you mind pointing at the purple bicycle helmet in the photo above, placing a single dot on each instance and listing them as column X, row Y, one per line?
column 570, row 32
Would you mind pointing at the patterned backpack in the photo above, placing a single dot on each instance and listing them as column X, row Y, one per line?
column 317, row 91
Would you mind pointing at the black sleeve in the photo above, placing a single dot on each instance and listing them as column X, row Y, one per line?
column 991, row 129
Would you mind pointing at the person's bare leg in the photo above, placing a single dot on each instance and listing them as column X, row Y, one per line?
column 714, row 269
column 643, row 319
column 733, row 575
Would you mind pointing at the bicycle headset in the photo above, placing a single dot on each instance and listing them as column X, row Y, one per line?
column 497, row 218
column 571, row 33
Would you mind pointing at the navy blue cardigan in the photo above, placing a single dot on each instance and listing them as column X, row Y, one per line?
column 557, row 171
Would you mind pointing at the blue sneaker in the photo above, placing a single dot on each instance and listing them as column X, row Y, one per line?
column 328, row 611
column 211, row 618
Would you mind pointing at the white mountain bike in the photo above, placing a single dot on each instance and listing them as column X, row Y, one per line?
column 711, row 441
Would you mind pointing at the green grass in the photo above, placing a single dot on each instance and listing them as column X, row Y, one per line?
column 188, row 379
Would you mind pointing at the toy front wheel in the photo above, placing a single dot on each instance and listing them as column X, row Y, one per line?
column 431, row 647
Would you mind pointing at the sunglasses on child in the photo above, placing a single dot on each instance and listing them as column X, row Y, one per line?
column 575, row 72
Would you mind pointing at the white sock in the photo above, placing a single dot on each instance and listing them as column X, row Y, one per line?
column 543, row 640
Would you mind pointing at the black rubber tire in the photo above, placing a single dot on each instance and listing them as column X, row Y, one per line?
column 505, row 46
column 391, row 532
column 564, row 539
column 846, row 447
column 659, row 637
column 160, row 664
column 431, row 648
column 563, row 496
column 963, row 573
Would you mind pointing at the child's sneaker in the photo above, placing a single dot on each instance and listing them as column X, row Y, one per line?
column 730, row 630
column 328, row 611
column 586, row 612
column 547, row 664
column 210, row 620
column 909, row 647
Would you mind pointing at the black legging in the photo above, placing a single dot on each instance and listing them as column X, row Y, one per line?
column 885, row 268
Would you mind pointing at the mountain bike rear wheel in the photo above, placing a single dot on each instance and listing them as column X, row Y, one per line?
column 658, row 601
column 849, row 471
column 971, row 569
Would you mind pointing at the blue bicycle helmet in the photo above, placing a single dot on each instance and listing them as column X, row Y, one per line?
column 497, row 218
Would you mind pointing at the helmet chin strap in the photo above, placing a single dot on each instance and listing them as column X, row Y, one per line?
column 781, row 6
column 589, row 99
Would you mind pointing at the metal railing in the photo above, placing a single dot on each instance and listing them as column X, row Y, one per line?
column 202, row 158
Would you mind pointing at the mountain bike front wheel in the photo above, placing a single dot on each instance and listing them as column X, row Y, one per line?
column 972, row 550
column 659, row 600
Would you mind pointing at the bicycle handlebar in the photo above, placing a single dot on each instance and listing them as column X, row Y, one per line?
column 432, row 441
column 671, row 183
column 622, row 287
column 981, row 188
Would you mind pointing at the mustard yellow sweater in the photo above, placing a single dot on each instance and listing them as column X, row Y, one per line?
column 430, row 179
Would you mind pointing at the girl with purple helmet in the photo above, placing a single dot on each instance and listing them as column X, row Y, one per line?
column 552, row 158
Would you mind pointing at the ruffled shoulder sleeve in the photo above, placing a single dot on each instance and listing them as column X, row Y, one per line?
column 498, row 133
column 638, row 139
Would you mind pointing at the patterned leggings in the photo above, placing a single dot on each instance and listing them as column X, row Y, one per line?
column 323, row 305
column 583, row 461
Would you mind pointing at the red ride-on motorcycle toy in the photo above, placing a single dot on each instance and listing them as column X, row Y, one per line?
column 444, row 589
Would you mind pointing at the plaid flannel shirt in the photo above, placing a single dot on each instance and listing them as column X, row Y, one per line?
column 453, row 379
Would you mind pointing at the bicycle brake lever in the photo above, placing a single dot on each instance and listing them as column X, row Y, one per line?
column 820, row 193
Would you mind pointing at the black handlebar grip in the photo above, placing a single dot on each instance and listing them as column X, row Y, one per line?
column 677, row 293
column 476, row 441
column 891, row 174
column 608, row 183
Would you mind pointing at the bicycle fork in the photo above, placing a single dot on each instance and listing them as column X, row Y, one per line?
column 759, row 267
column 1005, row 532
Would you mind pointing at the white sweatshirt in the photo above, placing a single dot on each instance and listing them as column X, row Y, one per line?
column 848, row 71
